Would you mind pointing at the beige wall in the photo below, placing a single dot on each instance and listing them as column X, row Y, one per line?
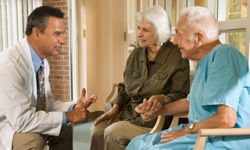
column 105, row 47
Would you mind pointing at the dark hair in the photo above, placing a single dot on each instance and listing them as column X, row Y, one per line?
column 38, row 18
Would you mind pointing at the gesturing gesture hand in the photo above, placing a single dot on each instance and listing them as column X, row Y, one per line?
column 84, row 101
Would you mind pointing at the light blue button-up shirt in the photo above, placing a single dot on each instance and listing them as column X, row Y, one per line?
column 37, row 62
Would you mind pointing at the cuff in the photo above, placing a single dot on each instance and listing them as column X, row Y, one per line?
column 64, row 123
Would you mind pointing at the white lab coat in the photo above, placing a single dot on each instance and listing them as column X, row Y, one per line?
column 18, row 97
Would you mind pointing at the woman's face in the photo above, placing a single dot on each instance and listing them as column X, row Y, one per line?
column 145, row 34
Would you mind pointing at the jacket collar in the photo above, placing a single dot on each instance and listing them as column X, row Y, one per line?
column 161, row 56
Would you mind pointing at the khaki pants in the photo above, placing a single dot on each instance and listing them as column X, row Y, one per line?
column 36, row 141
column 115, row 136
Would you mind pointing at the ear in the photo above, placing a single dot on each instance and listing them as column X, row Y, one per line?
column 36, row 32
column 199, row 37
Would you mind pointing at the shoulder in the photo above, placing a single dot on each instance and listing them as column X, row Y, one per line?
column 137, row 51
column 136, row 54
column 171, row 49
column 226, row 51
column 173, row 52
column 18, row 54
column 9, row 55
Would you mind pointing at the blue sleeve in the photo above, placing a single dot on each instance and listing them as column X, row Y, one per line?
column 64, row 123
column 71, row 107
column 225, row 78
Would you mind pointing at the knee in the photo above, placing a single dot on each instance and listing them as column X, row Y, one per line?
column 114, row 133
column 111, row 133
column 28, row 141
column 37, row 141
column 96, row 131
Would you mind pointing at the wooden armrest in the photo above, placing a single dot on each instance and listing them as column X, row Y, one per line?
column 224, row 132
column 175, row 120
column 158, row 125
column 114, row 86
column 204, row 133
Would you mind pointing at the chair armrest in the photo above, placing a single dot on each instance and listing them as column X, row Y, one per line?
column 175, row 120
column 158, row 125
column 111, row 94
column 224, row 132
column 107, row 103
column 204, row 133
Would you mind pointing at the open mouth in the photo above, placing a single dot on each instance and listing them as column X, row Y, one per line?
column 58, row 47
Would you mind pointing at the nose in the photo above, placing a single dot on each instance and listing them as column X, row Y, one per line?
column 61, row 39
column 139, row 33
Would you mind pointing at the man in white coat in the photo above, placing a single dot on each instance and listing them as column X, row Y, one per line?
column 22, row 125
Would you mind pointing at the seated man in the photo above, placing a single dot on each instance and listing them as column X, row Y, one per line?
column 219, row 95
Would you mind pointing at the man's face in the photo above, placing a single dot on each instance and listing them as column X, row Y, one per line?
column 145, row 34
column 50, row 41
column 185, row 39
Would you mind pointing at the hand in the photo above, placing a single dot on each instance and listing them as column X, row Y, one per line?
column 110, row 116
column 149, row 109
column 169, row 136
column 79, row 114
column 145, row 114
column 155, row 103
column 141, row 108
column 85, row 101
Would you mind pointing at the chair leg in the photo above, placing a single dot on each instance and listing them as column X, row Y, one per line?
column 200, row 142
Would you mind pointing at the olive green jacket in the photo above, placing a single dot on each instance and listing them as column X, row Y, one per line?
column 168, row 74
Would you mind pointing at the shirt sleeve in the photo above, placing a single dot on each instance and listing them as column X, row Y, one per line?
column 64, row 123
column 225, row 78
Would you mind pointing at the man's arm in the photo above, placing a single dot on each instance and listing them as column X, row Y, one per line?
column 150, row 112
column 224, row 118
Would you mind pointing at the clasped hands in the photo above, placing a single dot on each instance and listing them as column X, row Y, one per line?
column 150, row 109
column 80, row 112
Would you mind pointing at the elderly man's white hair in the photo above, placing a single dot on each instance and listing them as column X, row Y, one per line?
column 159, row 18
column 201, row 19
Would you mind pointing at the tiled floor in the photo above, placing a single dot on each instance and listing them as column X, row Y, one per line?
column 81, row 134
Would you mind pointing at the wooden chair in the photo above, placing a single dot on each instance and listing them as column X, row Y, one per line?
column 204, row 133
column 160, row 120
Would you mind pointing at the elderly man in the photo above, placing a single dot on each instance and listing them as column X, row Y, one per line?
column 29, row 117
column 219, row 96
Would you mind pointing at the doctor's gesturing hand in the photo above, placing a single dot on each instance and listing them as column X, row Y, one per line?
column 80, row 112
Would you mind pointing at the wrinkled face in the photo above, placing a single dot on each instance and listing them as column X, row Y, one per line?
column 186, row 39
column 145, row 34
column 50, row 41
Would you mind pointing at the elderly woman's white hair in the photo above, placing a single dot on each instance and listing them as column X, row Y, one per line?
column 201, row 19
column 159, row 18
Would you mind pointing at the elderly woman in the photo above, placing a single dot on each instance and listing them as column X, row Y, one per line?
column 220, row 92
column 153, row 71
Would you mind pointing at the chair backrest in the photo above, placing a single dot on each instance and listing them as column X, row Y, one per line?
column 113, row 92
